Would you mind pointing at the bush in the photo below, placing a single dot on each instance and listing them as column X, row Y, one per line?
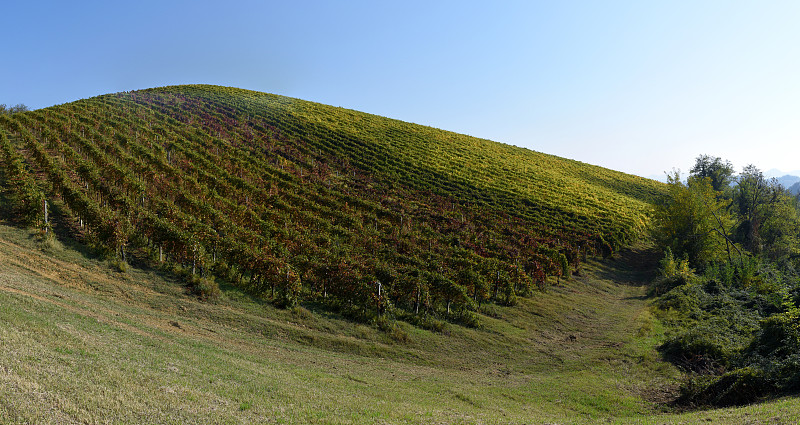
column 698, row 350
column 779, row 336
column 301, row 313
column 716, row 329
column 205, row 287
column 672, row 268
column 776, row 351
column 741, row 386
column 673, row 272
column 685, row 298
column 392, row 329
column 47, row 241
column 119, row 265
column 740, row 341
column 424, row 321
column 397, row 334
column 466, row 318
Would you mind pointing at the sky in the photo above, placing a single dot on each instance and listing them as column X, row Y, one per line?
column 637, row 86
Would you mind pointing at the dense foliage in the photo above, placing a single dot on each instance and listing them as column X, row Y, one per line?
column 293, row 200
column 4, row 109
column 730, row 287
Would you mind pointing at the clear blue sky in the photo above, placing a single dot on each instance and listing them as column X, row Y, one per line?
column 638, row 86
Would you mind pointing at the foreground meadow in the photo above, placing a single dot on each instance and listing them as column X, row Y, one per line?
column 84, row 344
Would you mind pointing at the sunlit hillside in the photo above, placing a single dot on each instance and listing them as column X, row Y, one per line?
column 293, row 200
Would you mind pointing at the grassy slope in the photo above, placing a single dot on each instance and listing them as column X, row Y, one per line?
column 82, row 344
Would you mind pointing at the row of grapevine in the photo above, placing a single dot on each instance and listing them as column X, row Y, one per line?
column 294, row 201
column 25, row 197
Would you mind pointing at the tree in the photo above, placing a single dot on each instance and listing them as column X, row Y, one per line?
column 754, row 195
column 769, row 222
column 720, row 172
column 19, row 107
column 450, row 291
column 694, row 221
column 780, row 231
column 469, row 278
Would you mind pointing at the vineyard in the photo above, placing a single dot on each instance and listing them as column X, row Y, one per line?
column 294, row 201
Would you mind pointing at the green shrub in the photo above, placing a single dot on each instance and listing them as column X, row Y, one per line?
column 397, row 334
column 301, row 313
column 392, row 329
column 737, row 331
column 672, row 268
column 698, row 350
column 740, row 386
column 47, row 242
column 466, row 318
column 119, row 265
column 684, row 298
column 776, row 350
column 779, row 336
column 424, row 321
column 673, row 273
column 204, row 287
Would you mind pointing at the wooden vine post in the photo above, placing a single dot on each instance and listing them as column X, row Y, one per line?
column 46, row 218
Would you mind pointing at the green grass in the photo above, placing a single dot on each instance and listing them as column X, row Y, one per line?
column 82, row 343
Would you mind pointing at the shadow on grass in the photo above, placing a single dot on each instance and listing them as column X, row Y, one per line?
column 636, row 266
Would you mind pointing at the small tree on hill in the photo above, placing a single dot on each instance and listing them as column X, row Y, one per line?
column 19, row 107
column 720, row 172
column 694, row 221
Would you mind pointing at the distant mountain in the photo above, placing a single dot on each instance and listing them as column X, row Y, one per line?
column 788, row 181
column 795, row 188
column 778, row 173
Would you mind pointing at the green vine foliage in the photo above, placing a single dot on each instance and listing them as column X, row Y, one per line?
column 295, row 201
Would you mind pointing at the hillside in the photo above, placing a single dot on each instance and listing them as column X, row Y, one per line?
column 795, row 189
column 85, row 344
column 296, row 201
column 200, row 254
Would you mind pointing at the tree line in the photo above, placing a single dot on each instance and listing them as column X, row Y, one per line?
column 19, row 107
column 730, row 288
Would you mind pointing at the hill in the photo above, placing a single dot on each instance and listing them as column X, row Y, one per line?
column 795, row 189
column 279, row 261
column 788, row 181
column 82, row 343
column 297, row 201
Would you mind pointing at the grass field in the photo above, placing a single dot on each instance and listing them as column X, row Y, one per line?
column 81, row 343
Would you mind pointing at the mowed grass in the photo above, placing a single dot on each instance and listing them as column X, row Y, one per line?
column 80, row 343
